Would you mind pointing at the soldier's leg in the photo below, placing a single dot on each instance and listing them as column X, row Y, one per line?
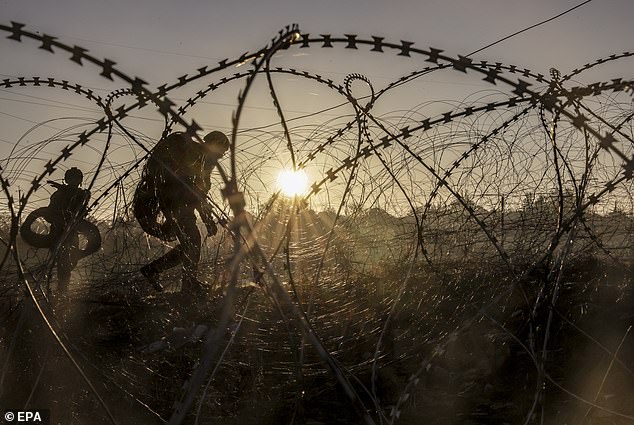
column 187, row 253
column 189, row 237
column 64, row 268
column 170, row 259
column 73, row 249
column 152, row 271
column 67, row 258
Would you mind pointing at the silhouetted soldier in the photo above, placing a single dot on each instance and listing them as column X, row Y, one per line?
column 68, row 205
column 65, row 214
column 175, row 183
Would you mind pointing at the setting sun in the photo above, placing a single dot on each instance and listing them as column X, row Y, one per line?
column 292, row 183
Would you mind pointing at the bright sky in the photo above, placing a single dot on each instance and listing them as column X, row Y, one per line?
column 160, row 40
column 200, row 28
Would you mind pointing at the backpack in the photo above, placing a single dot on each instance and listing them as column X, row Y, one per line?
column 170, row 155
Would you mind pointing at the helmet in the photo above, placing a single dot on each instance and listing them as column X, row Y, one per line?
column 217, row 137
column 216, row 143
column 73, row 176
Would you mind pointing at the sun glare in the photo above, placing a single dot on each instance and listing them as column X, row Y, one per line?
column 292, row 183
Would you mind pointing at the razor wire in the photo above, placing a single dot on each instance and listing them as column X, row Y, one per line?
column 520, row 178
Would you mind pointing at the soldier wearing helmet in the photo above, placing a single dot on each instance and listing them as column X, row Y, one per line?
column 175, row 182
column 67, row 206
column 66, row 216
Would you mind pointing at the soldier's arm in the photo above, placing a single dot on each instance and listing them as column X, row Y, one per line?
column 86, row 199
column 78, row 209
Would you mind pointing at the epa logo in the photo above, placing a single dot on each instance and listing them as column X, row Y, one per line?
column 26, row 417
